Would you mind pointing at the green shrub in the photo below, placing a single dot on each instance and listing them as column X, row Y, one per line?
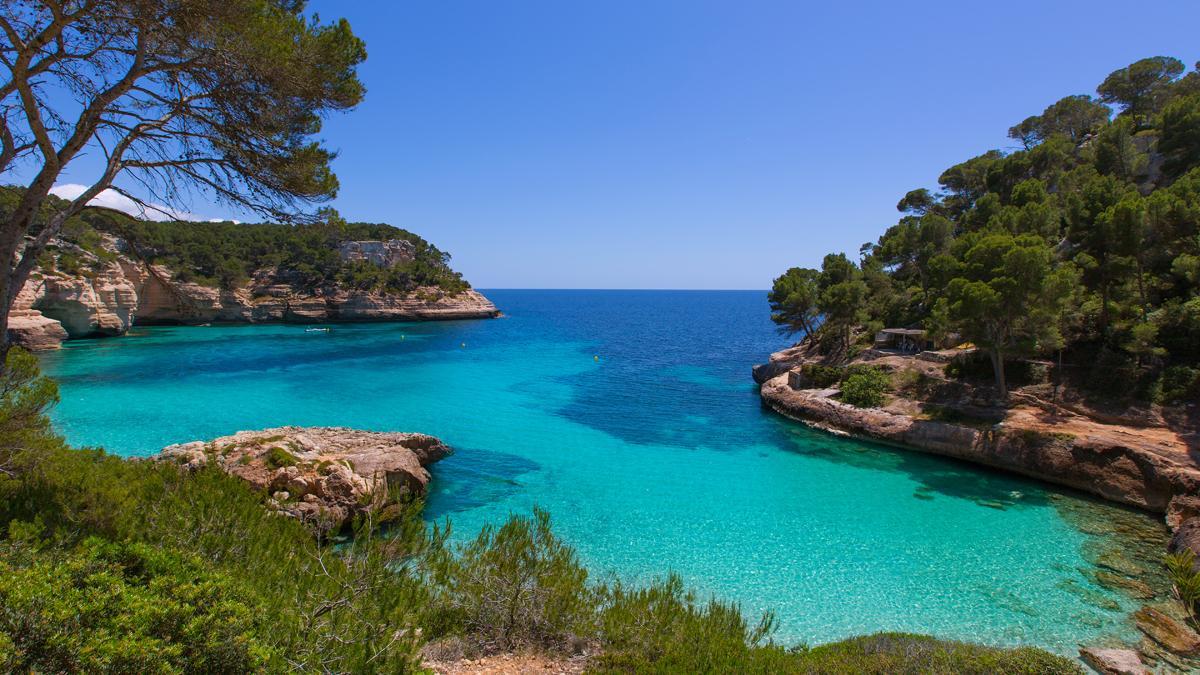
column 821, row 377
column 277, row 458
column 1179, row 384
column 866, row 388
column 125, row 608
column 663, row 629
column 900, row 653
column 25, row 396
column 226, row 254
column 513, row 586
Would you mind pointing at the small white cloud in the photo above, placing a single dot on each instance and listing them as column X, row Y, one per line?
column 115, row 200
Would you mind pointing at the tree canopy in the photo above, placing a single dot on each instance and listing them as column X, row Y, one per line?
column 1085, row 242
column 222, row 98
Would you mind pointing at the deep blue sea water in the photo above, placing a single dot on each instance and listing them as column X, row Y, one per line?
column 632, row 418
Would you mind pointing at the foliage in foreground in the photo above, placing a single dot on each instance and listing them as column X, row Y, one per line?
column 514, row 586
column 106, row 607
column 131, row 566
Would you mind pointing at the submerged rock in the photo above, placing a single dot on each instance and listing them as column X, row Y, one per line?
column 323, row 476
column 1114, row 661
column 1138, row 590
column 1171, row 634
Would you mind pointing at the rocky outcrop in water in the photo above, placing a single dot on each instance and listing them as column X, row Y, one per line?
column 120, row 291
column 323, row 476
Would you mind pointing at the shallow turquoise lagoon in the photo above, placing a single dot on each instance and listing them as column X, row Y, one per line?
column 655, row 457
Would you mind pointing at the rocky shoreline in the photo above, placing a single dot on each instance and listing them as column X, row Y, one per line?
column 115, row 294
column 1153, row 468
column 323, row 476
column 1106, row 460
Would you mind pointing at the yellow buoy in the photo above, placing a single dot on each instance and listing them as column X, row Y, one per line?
column 595, row 358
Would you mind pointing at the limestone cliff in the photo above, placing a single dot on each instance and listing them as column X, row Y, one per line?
column 110, row 295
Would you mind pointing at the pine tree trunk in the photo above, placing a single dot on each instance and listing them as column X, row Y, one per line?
column 5, row 309
column 998, row 367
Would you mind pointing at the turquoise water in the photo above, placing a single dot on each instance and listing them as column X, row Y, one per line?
column 657, row 456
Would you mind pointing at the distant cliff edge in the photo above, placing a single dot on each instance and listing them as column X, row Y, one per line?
column 108, row 272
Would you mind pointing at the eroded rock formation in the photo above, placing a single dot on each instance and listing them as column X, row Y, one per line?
column 323, row 476
column 116, row 293
column 1142, row 469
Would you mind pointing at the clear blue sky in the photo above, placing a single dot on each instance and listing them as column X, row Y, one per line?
column 692, row 144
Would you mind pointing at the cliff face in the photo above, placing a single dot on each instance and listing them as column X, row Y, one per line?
column 1146, row 469
column 113, row 295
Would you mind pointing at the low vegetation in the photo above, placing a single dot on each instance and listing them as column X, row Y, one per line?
column 866, row 387
column 1185, row 582
column 1082, row 245
column 110, row 565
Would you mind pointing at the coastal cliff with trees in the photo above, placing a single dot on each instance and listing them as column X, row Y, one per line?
column 1038, row 313
column 106, row 271
column 1079, row 247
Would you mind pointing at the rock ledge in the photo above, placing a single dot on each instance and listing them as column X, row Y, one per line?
column 323, row 476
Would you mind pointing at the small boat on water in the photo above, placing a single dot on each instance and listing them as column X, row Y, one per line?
column 316, row 330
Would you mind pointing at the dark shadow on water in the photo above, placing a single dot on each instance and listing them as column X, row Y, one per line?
column 473, row 477
column 228, row 352
column 937, row 476
column 673, row 406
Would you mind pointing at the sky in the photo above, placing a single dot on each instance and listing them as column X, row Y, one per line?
column 693, row 144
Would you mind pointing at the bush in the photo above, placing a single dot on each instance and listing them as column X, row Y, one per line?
column 25, row 396
column 226, row 254
column 900, row 653
column 516, row 586
column 821, row 377
column 350, row 608
column 1179, row 384
column 277, row 458
column 662, row 628
column 866, row 388
column 125, row 608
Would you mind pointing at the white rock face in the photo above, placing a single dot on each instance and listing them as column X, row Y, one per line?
column 386, row 253
column 100, row 305
column 111, row 296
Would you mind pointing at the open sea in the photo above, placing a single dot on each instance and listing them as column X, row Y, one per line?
column 631, row 417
